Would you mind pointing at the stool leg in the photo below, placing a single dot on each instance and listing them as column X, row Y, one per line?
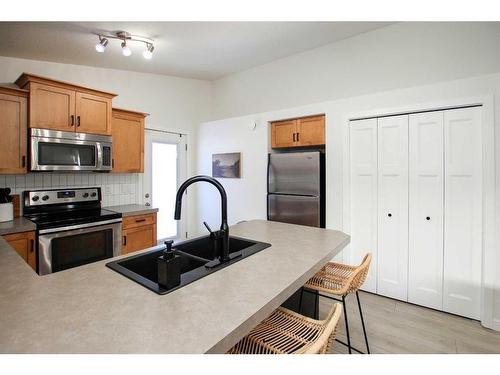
column 346, row 325
column 300, row 299
column 363, row 323
column 316, row 303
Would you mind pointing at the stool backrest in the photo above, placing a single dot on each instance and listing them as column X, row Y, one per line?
column 324, row 342
column 360, row 274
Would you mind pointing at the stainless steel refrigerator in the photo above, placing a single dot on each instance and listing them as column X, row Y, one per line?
column 295, row 187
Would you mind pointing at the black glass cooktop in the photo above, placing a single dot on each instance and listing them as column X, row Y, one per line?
column 72, row 217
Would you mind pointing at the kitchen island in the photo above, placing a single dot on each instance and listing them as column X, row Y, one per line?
column 92, row 309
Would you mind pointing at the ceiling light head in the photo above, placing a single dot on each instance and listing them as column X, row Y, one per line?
column 125, row 49
column 148, row 53
column 101, row 46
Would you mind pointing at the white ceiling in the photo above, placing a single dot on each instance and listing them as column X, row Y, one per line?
column 203, row 50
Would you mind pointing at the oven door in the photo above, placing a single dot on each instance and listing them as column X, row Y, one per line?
column 68, row 247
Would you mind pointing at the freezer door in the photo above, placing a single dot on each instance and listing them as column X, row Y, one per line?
column 293, row 209
column 295, row 173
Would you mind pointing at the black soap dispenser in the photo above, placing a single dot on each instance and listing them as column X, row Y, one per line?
column 169, row 267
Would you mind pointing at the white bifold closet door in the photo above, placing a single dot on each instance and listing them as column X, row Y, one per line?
column 363, row 155
column 426, row 190
column 392, row 249
column 462, row 212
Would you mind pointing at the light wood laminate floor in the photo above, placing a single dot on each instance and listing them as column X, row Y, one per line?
column 398, row 327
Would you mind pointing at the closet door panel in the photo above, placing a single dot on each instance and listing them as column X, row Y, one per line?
column 462, row 212
column 425, row 266
column 392, row 254
column 363, row 155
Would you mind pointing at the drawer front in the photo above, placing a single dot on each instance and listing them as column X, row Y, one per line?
column 138, row 238
column 139, row 220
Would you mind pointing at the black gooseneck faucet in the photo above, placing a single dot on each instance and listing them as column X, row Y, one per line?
column 223, row 232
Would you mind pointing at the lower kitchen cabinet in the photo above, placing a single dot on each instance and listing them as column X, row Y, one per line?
column 139, row 232
column 24, row 244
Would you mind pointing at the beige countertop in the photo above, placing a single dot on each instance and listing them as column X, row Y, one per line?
column 132, row 209
column 19, row 224
column 93, row 309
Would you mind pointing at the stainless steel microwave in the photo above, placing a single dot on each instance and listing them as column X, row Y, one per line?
column 53, row 150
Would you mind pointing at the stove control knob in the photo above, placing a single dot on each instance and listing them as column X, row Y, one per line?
column 85, row 195
column 93, row 194
column 45, row 197
column 35, row 198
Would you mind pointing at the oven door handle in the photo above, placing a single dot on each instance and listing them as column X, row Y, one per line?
column 79, row 226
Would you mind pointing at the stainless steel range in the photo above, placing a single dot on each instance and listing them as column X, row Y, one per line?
column 72, row 228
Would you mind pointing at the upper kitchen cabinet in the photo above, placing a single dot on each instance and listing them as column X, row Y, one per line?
column 283, row 133
column 67, row 107
column 128, row 141
column 13, row 117
column 311, row 131
column 300, row 132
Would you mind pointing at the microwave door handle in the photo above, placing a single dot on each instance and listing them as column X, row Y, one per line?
column 98, row 150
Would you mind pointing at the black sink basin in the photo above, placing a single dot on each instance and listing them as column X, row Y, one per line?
column 143, row 268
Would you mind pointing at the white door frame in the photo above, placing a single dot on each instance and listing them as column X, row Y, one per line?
column 488, row 194
column 170, row 137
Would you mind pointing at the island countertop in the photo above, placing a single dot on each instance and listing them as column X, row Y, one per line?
column 92, row 309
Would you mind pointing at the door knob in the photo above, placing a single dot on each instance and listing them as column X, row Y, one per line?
column 390, row 215
column 146, row 196
column 428, row 218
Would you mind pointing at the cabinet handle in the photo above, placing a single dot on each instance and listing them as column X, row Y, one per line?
column 390, row 215
column 72, row 120
column 294, row 137
column 140, row 220
column 112, row 163
column 23, row 161
column 32, row 246
column 428, row 218
column 77, row 121
column 298, row 137
column 124, row 240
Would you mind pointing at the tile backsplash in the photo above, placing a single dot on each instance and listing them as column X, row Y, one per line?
column 117, row 189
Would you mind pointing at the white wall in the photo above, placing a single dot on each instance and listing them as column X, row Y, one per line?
column 177, row 104
column 397, row 56
column 247, row 196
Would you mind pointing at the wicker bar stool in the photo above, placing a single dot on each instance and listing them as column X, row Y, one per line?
column 286, row 332
column 341, row 280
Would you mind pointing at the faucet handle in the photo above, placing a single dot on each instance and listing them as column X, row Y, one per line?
column 208, row 227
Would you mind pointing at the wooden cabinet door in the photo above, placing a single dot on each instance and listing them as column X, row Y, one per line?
column 364, row 186
column 426, row 190
column 13, row 112
column 128, row 143
column 51, row 107
column 24, row 244
column 392, row 255
column 283, row 133
column 138, row 238
column 311, row 131
column 93, row 114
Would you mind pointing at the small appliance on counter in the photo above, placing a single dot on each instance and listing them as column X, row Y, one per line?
column 296, row 188
column 71, row 227
column 6, row 206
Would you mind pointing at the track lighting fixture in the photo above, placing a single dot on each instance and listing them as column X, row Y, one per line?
column 148, row 53
column 125, row 50
column 101, row 46
column 125, row 37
